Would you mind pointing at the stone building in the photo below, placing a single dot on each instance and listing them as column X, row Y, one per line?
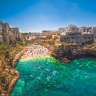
column 1, row 32
column 71, row 28
column 12, row 38
column 73, row 35
column 31, row 35
column 48, row 31
column 4, row 29
column 16, row 33
column 1, row 38
column 85, row 29
column 61, row 30
column 8, row 34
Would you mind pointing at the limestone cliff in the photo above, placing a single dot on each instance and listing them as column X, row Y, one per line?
column 8, row 74
column 73, row 51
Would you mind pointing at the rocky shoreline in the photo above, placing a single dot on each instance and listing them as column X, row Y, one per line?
column 14, row 62
column 13, row 82
column 18, row 56
column 70, row 52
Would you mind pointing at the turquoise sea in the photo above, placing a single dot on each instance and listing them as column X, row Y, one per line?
column 47, row 76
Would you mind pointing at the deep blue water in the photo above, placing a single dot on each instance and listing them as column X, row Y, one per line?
column 47, row 76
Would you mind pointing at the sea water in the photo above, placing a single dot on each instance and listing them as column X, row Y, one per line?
column 47, row 76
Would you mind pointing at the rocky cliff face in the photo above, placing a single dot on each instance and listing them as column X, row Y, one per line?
column 66, row 50
column 72, row 51
column 8, row 74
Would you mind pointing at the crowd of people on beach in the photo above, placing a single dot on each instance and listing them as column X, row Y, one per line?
column 35, row 51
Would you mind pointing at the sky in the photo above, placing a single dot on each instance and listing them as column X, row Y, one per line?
column 38, row 15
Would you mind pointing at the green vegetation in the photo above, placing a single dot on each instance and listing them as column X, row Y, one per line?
column 3, row 47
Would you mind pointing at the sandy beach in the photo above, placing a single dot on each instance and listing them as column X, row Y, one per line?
column 34, row 51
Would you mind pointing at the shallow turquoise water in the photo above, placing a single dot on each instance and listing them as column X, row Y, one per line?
column 47, row 76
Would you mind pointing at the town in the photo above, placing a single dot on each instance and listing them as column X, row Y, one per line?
column 70, row 34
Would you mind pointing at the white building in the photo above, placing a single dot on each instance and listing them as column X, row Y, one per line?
column 73, row 35
column 85, row 29
column 61, row 30
column 48, row 31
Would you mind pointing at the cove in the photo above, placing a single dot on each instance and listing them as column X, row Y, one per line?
column 47, row 76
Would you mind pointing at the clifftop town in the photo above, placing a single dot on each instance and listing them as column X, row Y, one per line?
column 64, row 44
column 73, row 34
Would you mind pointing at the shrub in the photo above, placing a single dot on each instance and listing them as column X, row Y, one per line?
column 3, row 47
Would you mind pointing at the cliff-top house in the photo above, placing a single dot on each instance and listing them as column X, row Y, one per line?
column 7, row 34
column 4, row 28
column 72, row 34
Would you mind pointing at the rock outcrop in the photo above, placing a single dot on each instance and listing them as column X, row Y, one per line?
column 13, row 81
column 17, row 57
column 8, row 77
column 72, row 51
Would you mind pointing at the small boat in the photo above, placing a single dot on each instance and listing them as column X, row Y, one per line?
column 54, row 72
column 39, row 78
column 31, row 75
column 39, row 68
column 47, row 70
column 48, row 77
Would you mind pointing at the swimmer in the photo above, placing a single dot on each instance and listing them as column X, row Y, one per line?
column 54, row 72
column 39, row 78
column 47, row 70
column 31, row 75
column 48, row 77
